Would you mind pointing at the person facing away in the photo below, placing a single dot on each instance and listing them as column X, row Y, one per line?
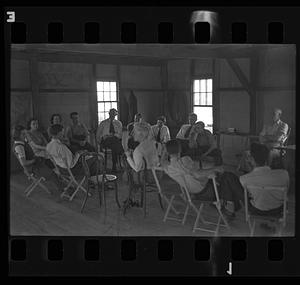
column 131, row 143
column 187, row 174
column 78, row 134
column 64, row 158
column 264, row 201
column 202, row 143
column 145, row 150
column 56, row 119
column 183, row 170
column 22, row 149
column 109, row 135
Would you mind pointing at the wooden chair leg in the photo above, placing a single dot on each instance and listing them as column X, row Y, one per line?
column 117, row 194
column 169, row 208
column 86, row 197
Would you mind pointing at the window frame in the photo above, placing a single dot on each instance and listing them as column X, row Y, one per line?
column 108, row 79
column 203, row 76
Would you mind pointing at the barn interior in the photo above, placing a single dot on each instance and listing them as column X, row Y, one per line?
column 246, row 82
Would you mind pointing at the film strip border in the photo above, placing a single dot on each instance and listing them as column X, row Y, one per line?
column 108, row 256
column 149, row 25
column 193, row 256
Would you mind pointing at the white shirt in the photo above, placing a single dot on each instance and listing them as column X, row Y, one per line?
column 146, row 149
column 61, row 154
column 182, row 132
column 186, row 173
column 278, row 129
column 265, row 176
column 20, row 149
column 103, row 129
column 164, row 133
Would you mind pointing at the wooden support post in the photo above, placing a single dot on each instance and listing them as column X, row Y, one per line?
column 164, row 85
column 93, row 108
column 216, row 95
column 240, row 74
column 34, row 82
column 253, row 94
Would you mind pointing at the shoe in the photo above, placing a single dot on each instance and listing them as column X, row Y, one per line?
column 228, row 214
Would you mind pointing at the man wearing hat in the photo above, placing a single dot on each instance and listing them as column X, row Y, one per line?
column 109, row 135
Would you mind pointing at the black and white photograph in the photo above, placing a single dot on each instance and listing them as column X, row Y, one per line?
column 152, row 140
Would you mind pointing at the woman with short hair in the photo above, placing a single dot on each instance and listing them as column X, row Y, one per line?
column 56, row 119
column 36, row 139
column 145, row 150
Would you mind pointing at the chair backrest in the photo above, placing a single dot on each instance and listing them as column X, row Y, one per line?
column 213, row 178
column 129, row 171
column 283, row 189
column 100, row 169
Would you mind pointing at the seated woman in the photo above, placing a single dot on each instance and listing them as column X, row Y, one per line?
column 22, row 149
column 57, row 120
column 186, row 173
column 37, row 141
column 145, row 150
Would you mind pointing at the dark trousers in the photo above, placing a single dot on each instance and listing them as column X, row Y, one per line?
column 186, row 150
column 216, row 154
column 74, row 147
column 116, row 147
column 77, row 169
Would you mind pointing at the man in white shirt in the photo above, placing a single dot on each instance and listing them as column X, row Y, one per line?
column 273, row 135
column 264, row 201
column 62, row 155
column 185, row 132
column 160, row 131
column 109, row 135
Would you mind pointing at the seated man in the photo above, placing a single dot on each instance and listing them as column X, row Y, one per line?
column 160, row 131
column 202, row 143
column 109, row 135
column 184, row 133
column 185, row 172
column 264, row 202
column 64, row 158
column 273, row 135
column 78, row 134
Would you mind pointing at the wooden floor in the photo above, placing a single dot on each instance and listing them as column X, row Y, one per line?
column 44, row 214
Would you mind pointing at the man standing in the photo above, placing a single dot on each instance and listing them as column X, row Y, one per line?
column 184, row 133
column 77, row 133
column 131, row 143
column 203, row 143
column 109, row 135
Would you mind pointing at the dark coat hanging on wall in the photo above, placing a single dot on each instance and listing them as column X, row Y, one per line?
column 132, row 102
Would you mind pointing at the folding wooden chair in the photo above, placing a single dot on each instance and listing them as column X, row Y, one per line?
column 102, row 178
column 66, row 175
column 279, row 219
column 33, row 178
column 198, row 209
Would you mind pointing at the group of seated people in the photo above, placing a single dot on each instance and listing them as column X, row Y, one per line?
column 143, row 142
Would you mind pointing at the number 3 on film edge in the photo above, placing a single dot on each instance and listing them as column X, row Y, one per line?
column 11, row 17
